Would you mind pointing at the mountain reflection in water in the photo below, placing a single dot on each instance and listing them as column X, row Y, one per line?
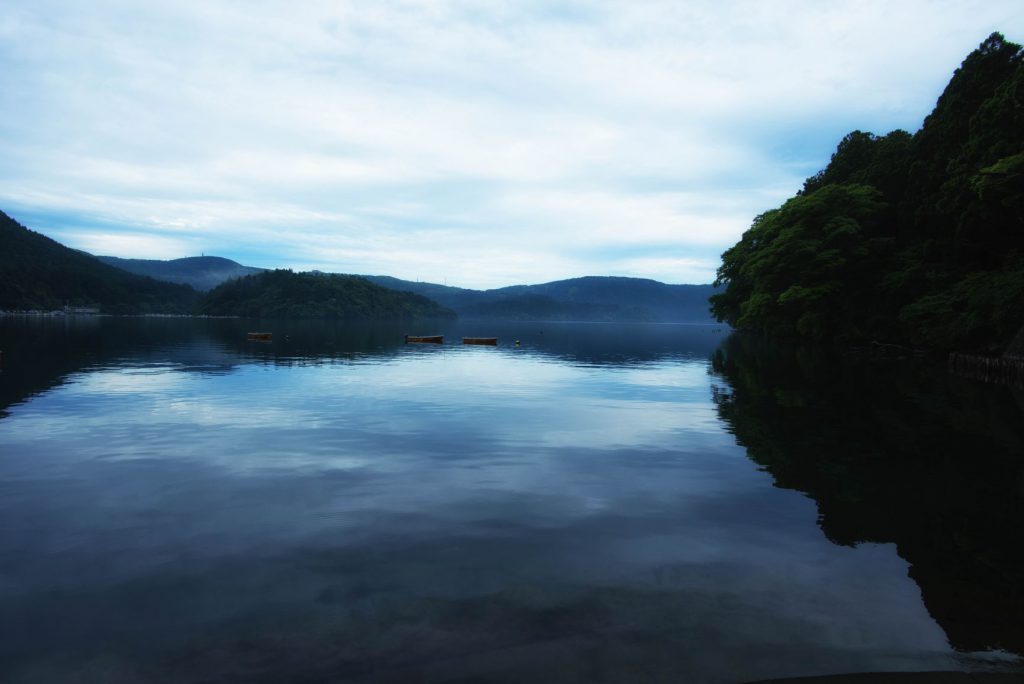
column 41, row 352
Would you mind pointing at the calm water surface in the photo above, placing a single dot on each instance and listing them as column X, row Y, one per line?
column 598, row 504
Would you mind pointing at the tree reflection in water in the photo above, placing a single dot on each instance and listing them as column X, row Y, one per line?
column 896, row 451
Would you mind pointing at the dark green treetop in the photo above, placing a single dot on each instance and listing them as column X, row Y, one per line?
column 284, row 294
column 910, row 239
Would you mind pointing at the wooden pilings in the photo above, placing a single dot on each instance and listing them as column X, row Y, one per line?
column 1003, row 369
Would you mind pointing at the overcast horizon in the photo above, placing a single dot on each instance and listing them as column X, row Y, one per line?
column 474, row 144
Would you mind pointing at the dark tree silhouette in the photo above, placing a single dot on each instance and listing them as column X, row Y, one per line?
column 910, row 239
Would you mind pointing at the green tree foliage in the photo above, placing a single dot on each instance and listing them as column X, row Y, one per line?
column 911, row 239
column 284, row 294
column 39, row 273
column 868, row 159
column 796, row 268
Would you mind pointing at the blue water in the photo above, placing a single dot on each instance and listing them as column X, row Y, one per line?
column 180, row 505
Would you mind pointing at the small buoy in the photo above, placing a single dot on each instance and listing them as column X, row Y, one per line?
column 517, row 343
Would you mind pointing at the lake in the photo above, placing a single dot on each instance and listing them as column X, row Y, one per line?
column 601, row 503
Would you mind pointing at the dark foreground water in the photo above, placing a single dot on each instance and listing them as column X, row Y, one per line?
column 599, row 504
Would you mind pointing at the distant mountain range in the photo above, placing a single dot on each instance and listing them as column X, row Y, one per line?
column 202, row 273
column 591, row 298
column 37, row 272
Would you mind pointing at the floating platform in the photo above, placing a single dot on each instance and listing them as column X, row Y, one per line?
column 490, row 341
column 424, row 339
column 264, row 336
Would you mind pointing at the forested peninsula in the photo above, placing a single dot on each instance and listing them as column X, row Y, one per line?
column 912, row 239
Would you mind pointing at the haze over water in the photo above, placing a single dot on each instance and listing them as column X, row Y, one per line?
column 180, row 505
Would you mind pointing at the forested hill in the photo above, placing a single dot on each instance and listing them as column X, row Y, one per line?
column 913, row 239
column 638, row 298
column 284, row 294
column 445, row 295
column 594, row 298
column 202, row 272
column 39, row 273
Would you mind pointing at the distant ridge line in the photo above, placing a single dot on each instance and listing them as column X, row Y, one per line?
column 584, row 298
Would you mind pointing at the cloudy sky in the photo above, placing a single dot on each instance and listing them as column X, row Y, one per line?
column 475, row 143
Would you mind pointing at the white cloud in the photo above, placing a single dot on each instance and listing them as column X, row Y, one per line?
column 613, row 218
column 127, row 245
column 503, row 142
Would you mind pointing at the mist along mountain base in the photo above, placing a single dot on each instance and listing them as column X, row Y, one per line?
column 202, row 273
column 39, row 273
column 911, row 239
column 284, row 294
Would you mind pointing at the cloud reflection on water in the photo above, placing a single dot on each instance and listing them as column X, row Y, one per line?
column 421, row 514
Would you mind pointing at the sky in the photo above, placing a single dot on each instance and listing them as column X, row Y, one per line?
column 477, row 144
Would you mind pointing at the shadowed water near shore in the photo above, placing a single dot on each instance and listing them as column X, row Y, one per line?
column 180, row 505
column 897, row 452
column 906, row 678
